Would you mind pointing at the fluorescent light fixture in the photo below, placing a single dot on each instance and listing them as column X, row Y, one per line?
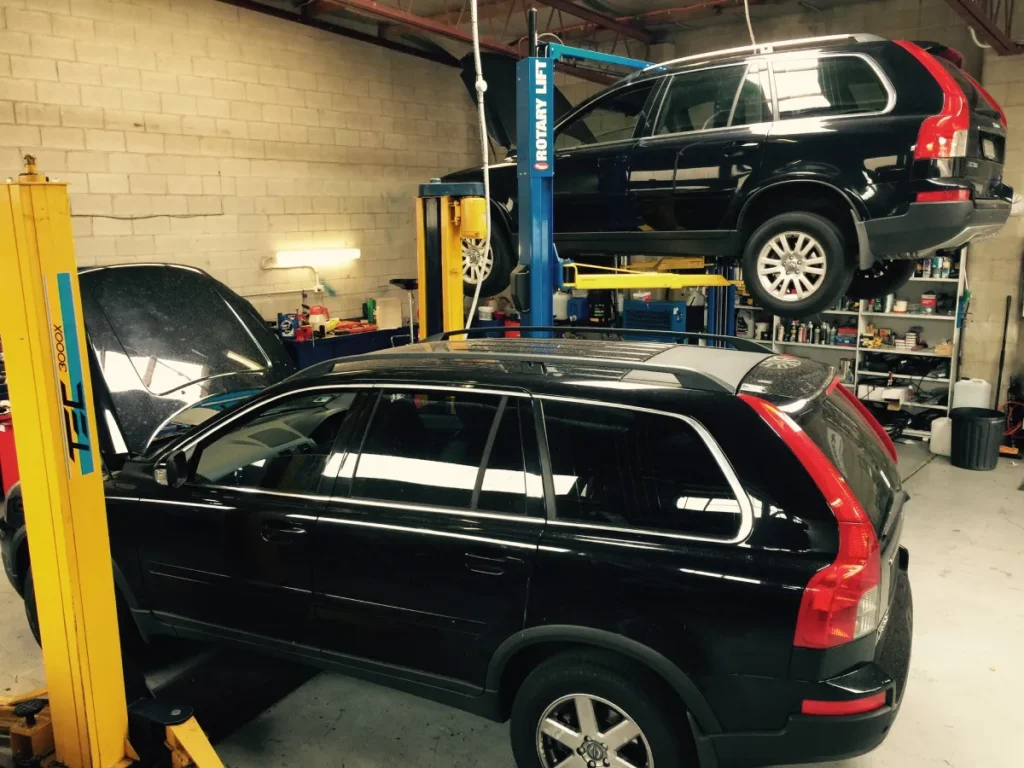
column 324, row 258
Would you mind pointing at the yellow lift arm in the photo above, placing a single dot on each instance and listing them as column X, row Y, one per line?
column 624, row 279
column 86, row 722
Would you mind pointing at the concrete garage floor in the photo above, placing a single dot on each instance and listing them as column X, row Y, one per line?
column 965, row 531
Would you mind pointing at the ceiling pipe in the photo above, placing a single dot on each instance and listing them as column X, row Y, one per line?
column 599, row 19
column 412, row 21
column 337, row 29
column 648, row 16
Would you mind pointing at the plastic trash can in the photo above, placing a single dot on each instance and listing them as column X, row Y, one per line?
column 977, row 433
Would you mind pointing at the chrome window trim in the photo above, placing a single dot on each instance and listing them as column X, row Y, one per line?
column 661, row 104
column 450, row 511
column 442, row 510
column 797, row 55
column 604, row 95
column 192, row 442
column 746, row 509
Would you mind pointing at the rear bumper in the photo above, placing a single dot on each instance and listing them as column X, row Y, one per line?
column 930, row 226
column 806, row 739
column 809, row 739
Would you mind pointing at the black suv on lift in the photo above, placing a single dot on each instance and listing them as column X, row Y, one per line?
column 639, row 552
column 825, row 166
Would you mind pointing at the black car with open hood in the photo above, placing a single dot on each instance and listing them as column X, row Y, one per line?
column 165, row 338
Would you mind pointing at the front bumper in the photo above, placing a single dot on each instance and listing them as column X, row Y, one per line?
column 928, row 227
column 809, row 738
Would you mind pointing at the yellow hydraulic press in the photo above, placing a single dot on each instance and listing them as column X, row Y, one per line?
column 445, row 215
column 82, row 718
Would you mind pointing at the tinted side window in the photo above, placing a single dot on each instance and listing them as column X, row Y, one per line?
column 284, row 447
column 444, row 449
column 834, row 85
column 625, row 468
column 706, row 99
column 613, row 118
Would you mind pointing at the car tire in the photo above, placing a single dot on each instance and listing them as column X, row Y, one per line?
column 807, row 243
column 498, row 273
column 618, row 693
column 884, row 277
column 132, row 643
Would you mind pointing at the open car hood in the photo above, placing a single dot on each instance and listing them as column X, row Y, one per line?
column 500, row 97
column 164, row 337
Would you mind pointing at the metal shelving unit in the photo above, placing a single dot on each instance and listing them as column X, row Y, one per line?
column 938, row 328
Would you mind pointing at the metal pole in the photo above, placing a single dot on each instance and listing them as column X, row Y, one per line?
column 531, row 25
column 58, row 450
column 535, row 169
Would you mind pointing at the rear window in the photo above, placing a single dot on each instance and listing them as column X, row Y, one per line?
column 849, row 442
column 824, row 87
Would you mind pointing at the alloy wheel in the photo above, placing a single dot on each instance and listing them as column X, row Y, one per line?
column 791, row 266
column 583, row 731
column 477, row 260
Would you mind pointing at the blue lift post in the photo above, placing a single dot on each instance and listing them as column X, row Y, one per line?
column 535, row 167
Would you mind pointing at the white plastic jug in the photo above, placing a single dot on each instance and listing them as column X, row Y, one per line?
column 941, row 441
column 972, row 393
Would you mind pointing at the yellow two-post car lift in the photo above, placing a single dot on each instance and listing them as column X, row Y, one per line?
column 82, row 719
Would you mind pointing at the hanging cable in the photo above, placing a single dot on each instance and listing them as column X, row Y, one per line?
column 974, row 37
column 750, row 28
column 481, row 88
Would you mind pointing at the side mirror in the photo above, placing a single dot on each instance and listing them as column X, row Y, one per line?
column 173, row 471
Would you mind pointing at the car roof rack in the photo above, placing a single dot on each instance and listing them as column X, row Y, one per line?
column 743, row 345
column 687, row 378
column 765, row 48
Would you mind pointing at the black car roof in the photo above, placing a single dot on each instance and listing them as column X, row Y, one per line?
column 541, row 364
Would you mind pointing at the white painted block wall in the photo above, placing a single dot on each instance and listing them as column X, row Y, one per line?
column 194, row 132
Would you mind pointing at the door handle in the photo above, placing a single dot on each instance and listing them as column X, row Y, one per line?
column 489, row 566
column 737, row 148
column 281, row 531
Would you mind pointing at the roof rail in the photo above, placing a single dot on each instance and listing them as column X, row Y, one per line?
column 743, row 345
column 687, row 377
column 764, row 48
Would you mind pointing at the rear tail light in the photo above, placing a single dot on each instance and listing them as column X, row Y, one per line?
column 851, row 707
column 842, row 602
column 869, row 417
column 988, row 97
column 944, row 196
column 944, row 134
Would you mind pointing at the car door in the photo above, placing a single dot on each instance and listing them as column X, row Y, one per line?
column 425, row 563
column 231, row 550
column 592, row 151
column 707, row 139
